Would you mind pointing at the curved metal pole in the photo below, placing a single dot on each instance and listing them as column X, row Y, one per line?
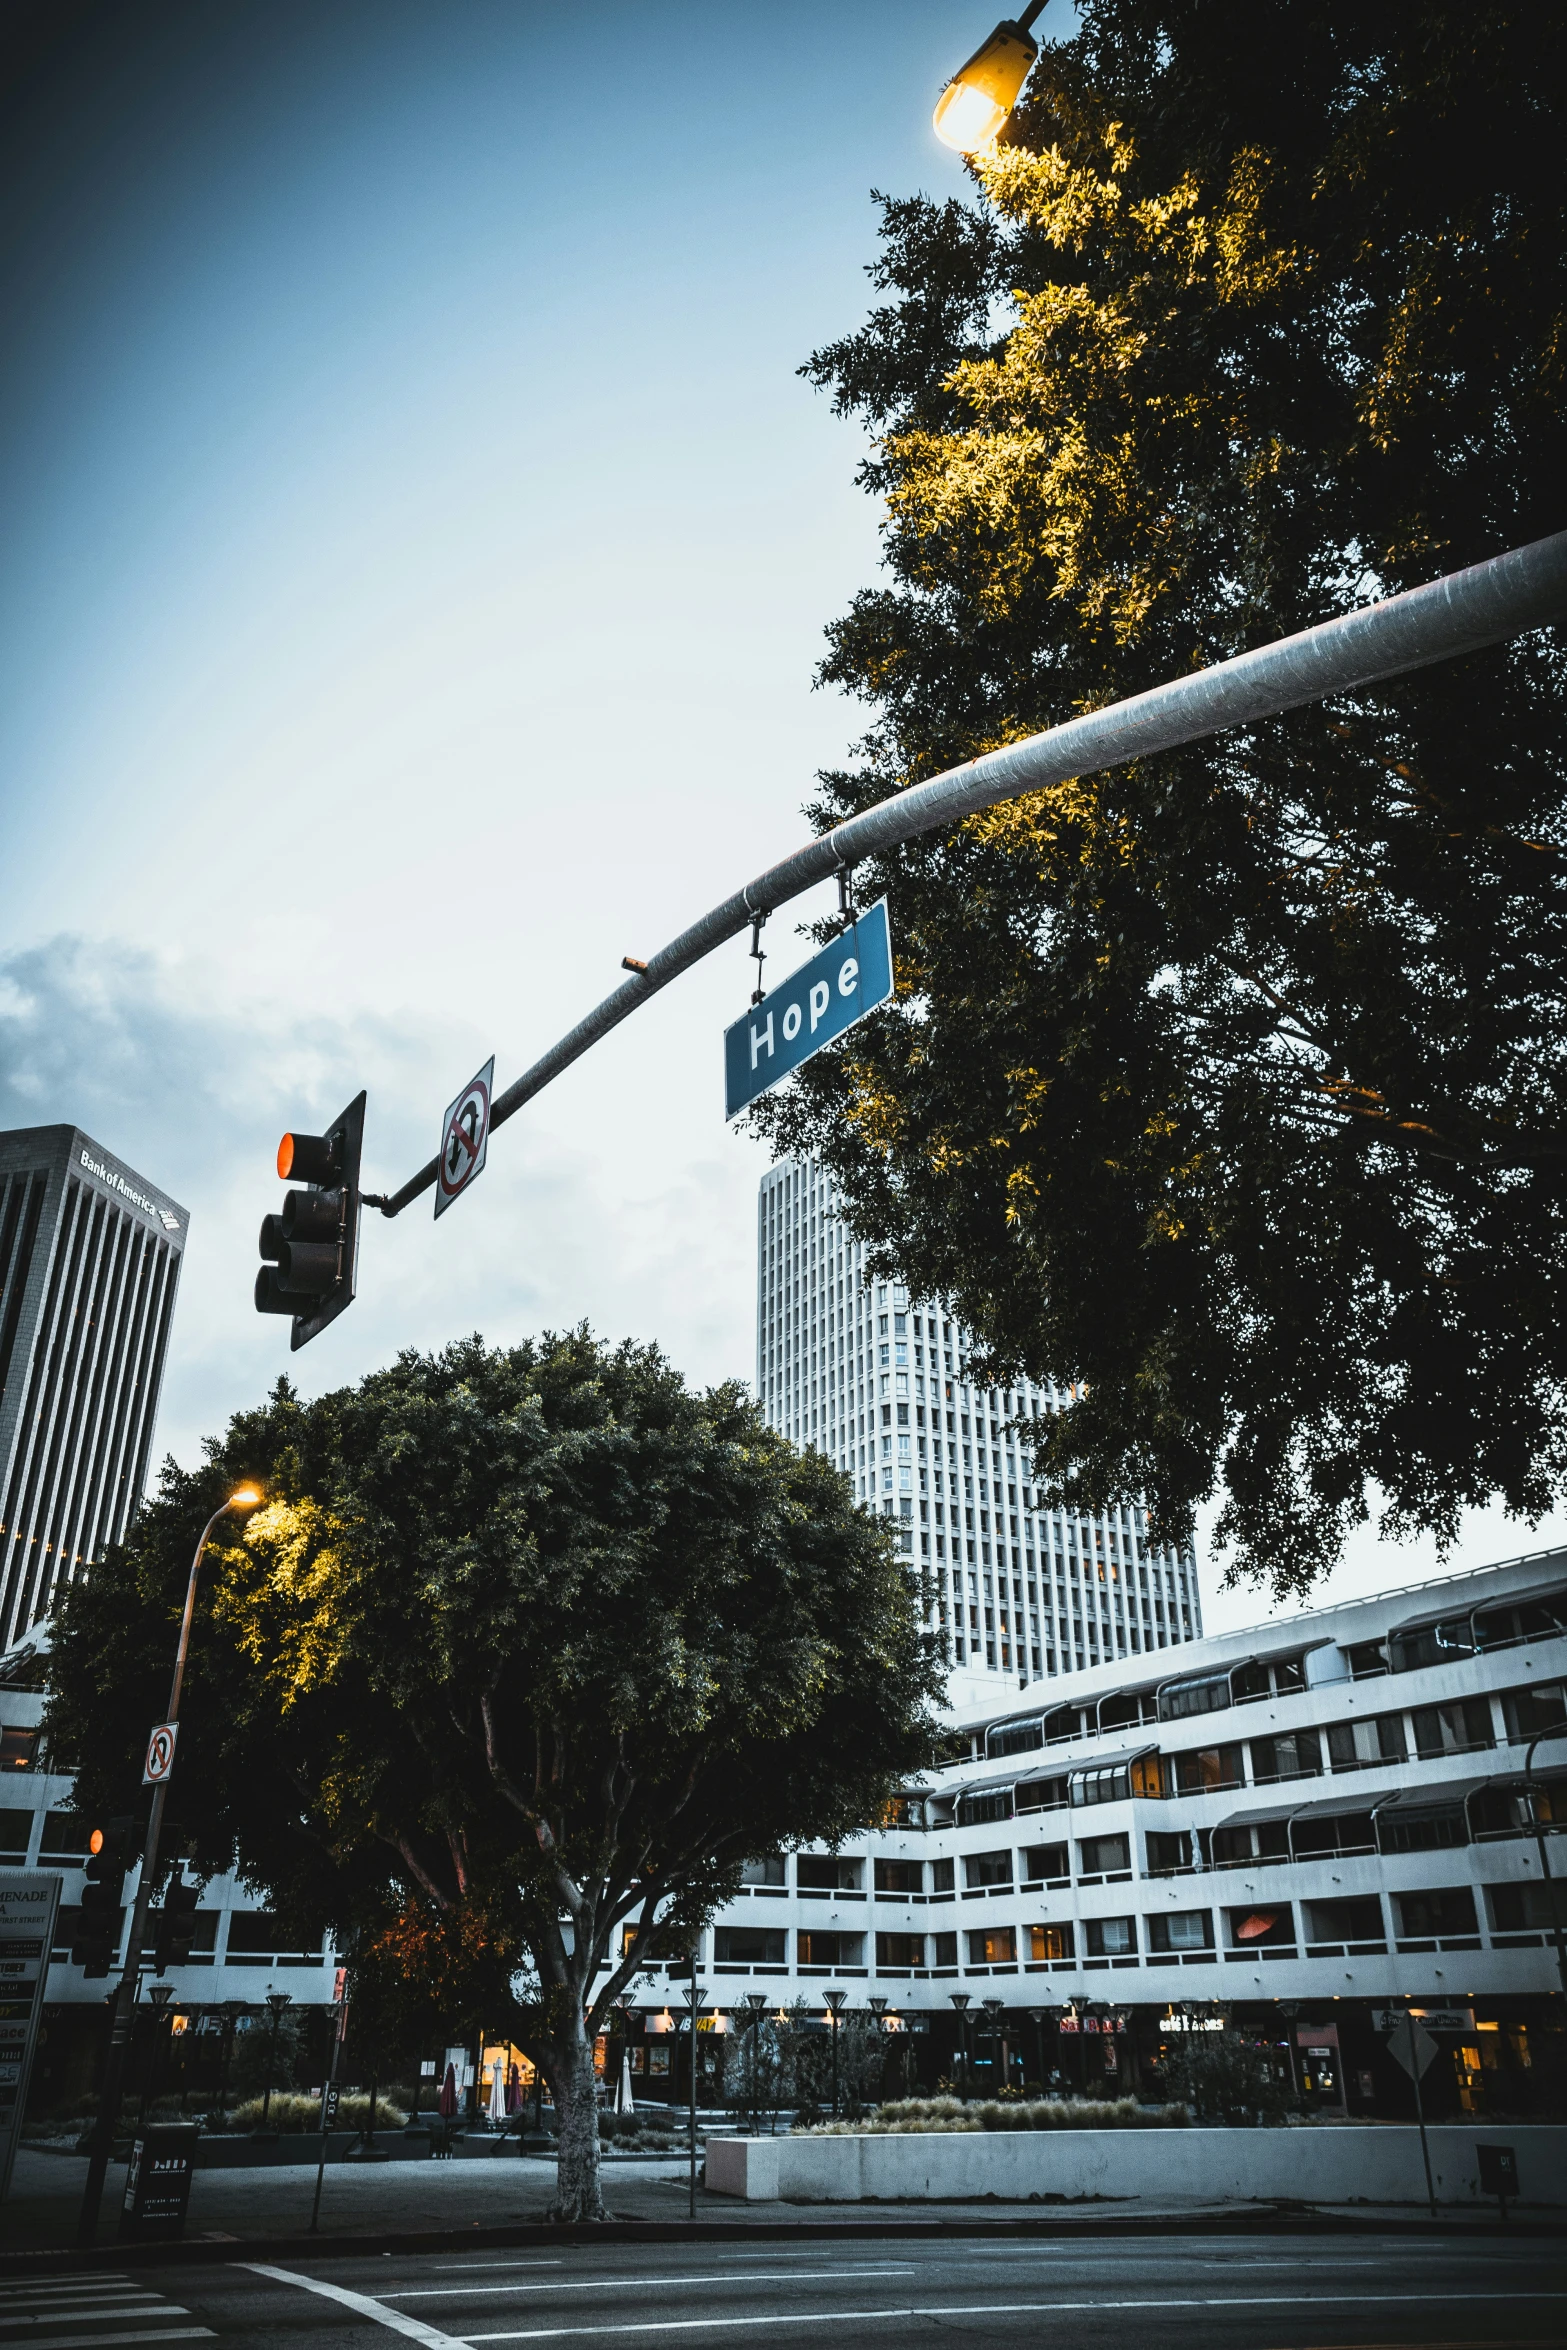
column 1461, row 613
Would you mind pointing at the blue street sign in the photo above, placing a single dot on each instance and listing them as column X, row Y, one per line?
column 823, row 998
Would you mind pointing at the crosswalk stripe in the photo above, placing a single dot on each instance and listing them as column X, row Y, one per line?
column 142, row 2334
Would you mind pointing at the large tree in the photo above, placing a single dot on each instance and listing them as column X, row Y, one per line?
column 525, row 1654
column 1230, row 1088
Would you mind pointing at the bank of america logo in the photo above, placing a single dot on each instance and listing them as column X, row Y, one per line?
column 170, row 1223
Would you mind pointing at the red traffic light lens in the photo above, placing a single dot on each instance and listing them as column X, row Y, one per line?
column 95, row 1842
column 285, row 1157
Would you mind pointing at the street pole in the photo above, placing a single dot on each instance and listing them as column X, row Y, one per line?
column 339, row 2027
column 835, row 2000
column 696, row 1999
column 1420, row 2112
column 1545, row 1865
column 122, row 2012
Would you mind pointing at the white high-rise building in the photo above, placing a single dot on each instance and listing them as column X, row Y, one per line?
column 878, row 1382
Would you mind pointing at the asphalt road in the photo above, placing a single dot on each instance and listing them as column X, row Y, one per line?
column 1213, row 2293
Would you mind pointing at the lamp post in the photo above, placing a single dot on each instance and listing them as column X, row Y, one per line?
column 878, row 2008
column 159, row 1995
column 696, row 1999
column 244, row 1497
column 835, row 2000
column 960, row 2000
column 756, row 2007
column 1038, row 2016
column 231, row 2011
column 981, row 94
column 276, row 2002
column 996, row 2009
column 1534, row 1793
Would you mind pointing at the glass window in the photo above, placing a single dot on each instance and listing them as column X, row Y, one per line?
column 900, row 1950
column 16, row 1828
column 1194, row 1697
column 1206, row 1769
column 1167, row 1852
column 941, row 1876
column 1015, row 1738
column 1181, row 1929
column 1263, row 1926
column 1462, row 1727
column 975, row 1810
column 944, row 1950
column 1044, row 1861
column 992, row 1946
column 899, row 1876
column 1293, row 1754
column 987, row 1868
column 1448, row 1910
column 64, row 1839
column 18, row 1749
column 1355, row 1746
column 1357, row 1918
column 1533, row 1712
column 1049, row 1942
column 1111, row 1937
column 1430, row 1644
column 827, row 1872
column 1099, row 1856
column 748, row 1946
column 819, row 1953
column 769, row 1870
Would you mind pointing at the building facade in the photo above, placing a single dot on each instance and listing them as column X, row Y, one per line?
column 90, row 1257
column 881, row 1385
column 1289, row 1829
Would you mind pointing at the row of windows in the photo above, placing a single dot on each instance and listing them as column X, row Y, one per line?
column 1352, row 1923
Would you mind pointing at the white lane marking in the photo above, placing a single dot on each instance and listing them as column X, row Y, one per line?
column 606, row 2284
column 142, row 2334
column 817, row 2317
column 64, row 2313
column 475, row 2264
column 361, row 2303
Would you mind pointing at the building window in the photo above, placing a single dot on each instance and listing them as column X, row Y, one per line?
column 992, row 1946
column 1049, row 1942
column 827, row 1872
column 1111, row 1937
column 1207, row 1769
column 899, row 1876
column 1043, row 1863
column 1355, row 1919
column 1447, row 1911
column 900, row 1950
column 1460, row 1728
column 987, row 1868
column 1355, row 1746
column 1181, row 1929
column 818, row 1953
column 1262, row 1926
column 1101, row 1856
column 1294, row 1754
column 18, row 1749
column 16, row 1828
column 64, row 1842
column 748, row 1946
column 944, row 1950
column 769, row 1870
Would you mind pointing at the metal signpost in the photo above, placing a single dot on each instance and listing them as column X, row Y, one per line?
column 465, row 1138
column 823, row 998
column 29, row 1905
column 1411, row 2045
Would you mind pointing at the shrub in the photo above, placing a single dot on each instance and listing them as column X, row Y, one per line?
column 292, row 2112
column 935, row 2115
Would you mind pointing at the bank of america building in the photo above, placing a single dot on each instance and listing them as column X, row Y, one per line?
column 879, row 1383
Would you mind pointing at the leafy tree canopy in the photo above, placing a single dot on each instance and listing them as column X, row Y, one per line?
column 1227, row 1089
column 525, row 1654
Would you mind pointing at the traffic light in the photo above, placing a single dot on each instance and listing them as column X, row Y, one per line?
column 311, row 1249
column 110, row 1852
column 176, row 1925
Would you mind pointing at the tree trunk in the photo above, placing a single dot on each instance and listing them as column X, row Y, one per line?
column 577, row 2194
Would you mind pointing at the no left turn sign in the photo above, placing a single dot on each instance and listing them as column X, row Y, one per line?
column 465, row 1136
column 160, row 1754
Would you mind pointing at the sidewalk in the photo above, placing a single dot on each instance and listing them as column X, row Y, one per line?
column 368, row 2200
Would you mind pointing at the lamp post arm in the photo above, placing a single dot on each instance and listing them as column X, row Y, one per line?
column 1545, row 1863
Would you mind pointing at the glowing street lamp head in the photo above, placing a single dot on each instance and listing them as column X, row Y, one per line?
column 980, row 96
column 244, row 1497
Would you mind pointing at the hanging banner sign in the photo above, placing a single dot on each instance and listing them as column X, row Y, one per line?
column 465, row 1138
column 823, row 998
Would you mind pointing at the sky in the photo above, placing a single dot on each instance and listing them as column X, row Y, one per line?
column 418, row 542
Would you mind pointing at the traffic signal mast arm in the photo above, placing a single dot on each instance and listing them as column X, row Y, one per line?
column 1460, row 613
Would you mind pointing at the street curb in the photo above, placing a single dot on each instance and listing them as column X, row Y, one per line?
column 204, row 2252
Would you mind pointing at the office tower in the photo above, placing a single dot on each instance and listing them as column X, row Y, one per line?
column 89, row 1263
column 879, row 1382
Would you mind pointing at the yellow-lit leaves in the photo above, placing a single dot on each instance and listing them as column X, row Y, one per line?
column 279, row 1591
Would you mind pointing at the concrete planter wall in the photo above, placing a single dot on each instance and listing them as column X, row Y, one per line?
column 1320, row 2164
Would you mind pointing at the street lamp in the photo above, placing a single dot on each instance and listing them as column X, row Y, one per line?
column 276, row 2002
column 982, row 93
column 244, row 1497
column 756, row 2003
column 695, row 1997
column 231, row 2011
column 1037, row 2016
column 960, row 2000
column 835, row 2000
column 996, row 2009
column 160, row 1995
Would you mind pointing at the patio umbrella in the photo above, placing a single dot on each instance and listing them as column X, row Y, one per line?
column 498, row 2107
column 447, row 2101
column 624, row 2101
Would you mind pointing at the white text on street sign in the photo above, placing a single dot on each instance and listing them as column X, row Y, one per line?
column 811, row 1007
column 465, row 1138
